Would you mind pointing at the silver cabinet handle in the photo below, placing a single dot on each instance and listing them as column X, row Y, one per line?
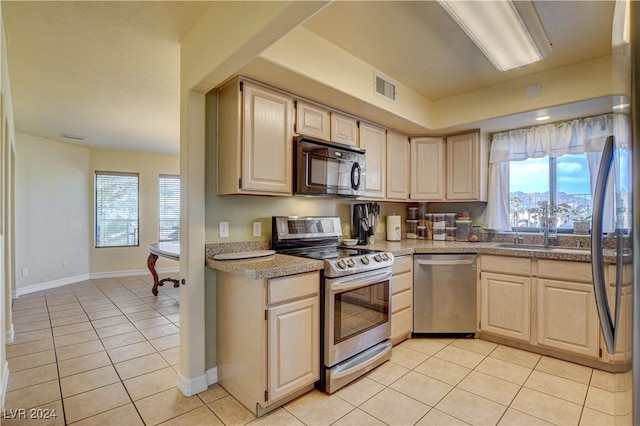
column 608, row 323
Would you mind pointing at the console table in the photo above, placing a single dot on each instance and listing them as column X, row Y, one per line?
column 168, row 249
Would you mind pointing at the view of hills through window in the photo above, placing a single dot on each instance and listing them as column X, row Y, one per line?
column 529, row 186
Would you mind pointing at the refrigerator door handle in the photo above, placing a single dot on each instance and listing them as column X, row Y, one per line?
column 609, row 325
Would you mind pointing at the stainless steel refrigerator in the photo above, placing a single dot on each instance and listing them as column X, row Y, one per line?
column 619, row 174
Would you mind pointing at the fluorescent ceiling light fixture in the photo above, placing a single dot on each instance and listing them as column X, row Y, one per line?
column 509, row 33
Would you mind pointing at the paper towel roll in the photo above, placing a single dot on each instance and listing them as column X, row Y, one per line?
column 393, row 228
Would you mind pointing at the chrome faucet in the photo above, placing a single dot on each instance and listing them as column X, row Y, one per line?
column 519, row 238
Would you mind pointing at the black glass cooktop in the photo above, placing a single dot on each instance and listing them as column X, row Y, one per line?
column 332, row 252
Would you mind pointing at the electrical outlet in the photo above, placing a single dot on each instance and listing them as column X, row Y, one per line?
column 224, row 229
column 257, row 229
column 65, row 265
column 25, row 272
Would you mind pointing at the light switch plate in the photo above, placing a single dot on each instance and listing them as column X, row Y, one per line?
column 257, row 229
column 224, row 229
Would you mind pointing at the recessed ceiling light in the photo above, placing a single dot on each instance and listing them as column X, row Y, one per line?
column 543, row 118
column 74, row 137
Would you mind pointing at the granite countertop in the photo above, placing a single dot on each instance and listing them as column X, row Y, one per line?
column 279, row 265
column 403, row 247
column 276, row 265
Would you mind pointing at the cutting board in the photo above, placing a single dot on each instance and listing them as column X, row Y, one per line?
column 243, row 255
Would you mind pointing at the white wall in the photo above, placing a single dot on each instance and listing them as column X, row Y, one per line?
column 52, row 213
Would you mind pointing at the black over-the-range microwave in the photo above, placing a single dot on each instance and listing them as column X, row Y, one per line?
column 324, row 168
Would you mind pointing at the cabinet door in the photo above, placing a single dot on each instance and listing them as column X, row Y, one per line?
column 294, row 346
column 567, row 317
column 624, row 342
column 506, row 301
column 374, row 141
column 312, row 120
column 462, row 167
column 398, row 164
column 267, row 141
column 427, row 169
column 344, row 129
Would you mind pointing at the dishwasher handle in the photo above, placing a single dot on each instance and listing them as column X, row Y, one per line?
column 445, row 262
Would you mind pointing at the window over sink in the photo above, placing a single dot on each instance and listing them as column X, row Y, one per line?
column 557, row 164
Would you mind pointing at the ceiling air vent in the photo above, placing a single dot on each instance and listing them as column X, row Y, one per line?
column 384, row 87
column 74, row 137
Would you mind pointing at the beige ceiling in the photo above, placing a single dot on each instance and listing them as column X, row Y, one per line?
column 110, row 70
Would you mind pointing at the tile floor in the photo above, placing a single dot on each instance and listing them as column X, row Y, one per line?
column 105, row 352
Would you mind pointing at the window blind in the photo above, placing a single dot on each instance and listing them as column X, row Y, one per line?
column 169, row 208
column 117, row 196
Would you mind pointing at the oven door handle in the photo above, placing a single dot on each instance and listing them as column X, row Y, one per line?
column 358, row 280
column 351, row 367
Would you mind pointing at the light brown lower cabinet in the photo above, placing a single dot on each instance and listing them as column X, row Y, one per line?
column 401, row 298
column 550, row 304
column 506, row 305
column 268, row 338
column 567, row 317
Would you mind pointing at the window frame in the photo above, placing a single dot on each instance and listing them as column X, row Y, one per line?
column 98, row 173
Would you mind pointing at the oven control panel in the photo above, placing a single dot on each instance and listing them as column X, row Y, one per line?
column 356, row 264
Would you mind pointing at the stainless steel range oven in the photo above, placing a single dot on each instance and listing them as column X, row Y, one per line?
column 355, row 297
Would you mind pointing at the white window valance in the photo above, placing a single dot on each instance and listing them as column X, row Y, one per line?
column 572, row 137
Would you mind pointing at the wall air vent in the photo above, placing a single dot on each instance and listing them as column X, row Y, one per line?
column 384, row 87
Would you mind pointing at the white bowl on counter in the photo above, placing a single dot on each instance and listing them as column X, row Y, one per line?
column 350, row 241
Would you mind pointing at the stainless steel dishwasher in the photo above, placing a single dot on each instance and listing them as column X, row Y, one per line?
column 444, row 293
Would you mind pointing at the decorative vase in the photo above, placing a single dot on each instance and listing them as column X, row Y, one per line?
column 581, row 228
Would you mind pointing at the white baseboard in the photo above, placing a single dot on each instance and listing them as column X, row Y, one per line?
column 190, row 387
column 4, row 384
column 9, row 335
column 212, row 376
column 132, row 273
column 20, row 291
column 84, row 277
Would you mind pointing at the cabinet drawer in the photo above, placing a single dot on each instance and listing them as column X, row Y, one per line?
column 401, row 301
column 292, row 287
column 563, row 270
column 401, row 323
column 400, row 283
column 402, row 264
column 506, row 265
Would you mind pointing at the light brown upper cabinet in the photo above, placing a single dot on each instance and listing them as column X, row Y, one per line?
column 320, row 122
column 373, row 140
column 467, row 167
column 427, row 169
column 344, row 129
column 312, row 120
column 255, row 136
column 398, row 165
